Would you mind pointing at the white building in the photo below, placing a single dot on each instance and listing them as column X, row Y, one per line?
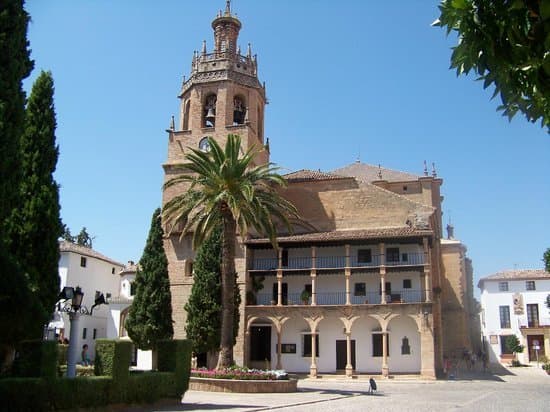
column 92, row 272
column 514, row 303
column 119, row 305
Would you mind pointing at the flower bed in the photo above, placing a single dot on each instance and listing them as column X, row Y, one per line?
column 238, row 373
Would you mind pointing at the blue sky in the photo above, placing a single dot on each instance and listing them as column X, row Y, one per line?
column 345, row 79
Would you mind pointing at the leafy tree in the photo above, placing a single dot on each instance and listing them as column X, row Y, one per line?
column 150, row 316
column 204, row 305
column 546, row 260
column 506, row 43
column 83, row 238
column 15, row 65
column 548, row 301
column 513, row 345
column 66, row 234
column 36, row 225
column 228, row 190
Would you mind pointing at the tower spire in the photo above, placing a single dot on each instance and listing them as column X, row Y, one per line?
column 228, row 8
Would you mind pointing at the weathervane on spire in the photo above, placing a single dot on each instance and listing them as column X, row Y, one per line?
column 228, row 8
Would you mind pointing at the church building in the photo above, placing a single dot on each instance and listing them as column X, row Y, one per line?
column 369, row 287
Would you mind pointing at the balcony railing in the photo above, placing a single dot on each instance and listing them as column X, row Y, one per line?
column 335, row 262
column 534, row 323
column 339, row 298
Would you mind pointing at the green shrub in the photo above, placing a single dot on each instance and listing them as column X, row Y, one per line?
column 175, row 356
column 149, row 387
column 112, row 358
column 62, row 354
column 80, row 371
column 36, row 358
column 25, row 394
column 86, row 392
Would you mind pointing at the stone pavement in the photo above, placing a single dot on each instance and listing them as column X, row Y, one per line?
column 516, row 389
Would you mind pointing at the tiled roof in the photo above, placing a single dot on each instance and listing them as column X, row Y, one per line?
column 306, row 175
column 370, row 173
column 522, row 274
column 65, row 246
column 341, row 235
column 130, row 268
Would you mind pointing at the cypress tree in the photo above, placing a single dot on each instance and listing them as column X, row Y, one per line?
column 150, row 316
column 15, row 65
column 203, row 308
column 36, row 223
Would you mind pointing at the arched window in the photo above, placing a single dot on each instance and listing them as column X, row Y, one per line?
column 122, row 332
column 209, row 111
column 405, row 347
column 204, row 145
column 239, row 111
column 186, row 115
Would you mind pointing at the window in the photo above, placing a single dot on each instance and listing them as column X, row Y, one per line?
column 377, row 340
column 405, row 347
column 239, row 111
column 84, row 333
column 204, row 146
column 407, row 284
column 112, row 271
column 404, row 257
column 82, row 261
column 503, row 286
column 504, row 316
column 306, row 346
column 533, row 315
column 364, row 256
column 186, row 115
column 503, row 347
column 132, row 288
column 95, row 333
column 360, row 289
column 284, row 257
column 530, row 285
column 209, row 111
column 107, row 296
column 392, row 254
column 308, row 289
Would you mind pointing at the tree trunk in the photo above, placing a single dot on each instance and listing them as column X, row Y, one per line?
column 225, row 358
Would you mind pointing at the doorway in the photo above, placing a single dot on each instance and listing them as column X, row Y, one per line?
column 260, row 344
column 534, row 342
column 341, row 355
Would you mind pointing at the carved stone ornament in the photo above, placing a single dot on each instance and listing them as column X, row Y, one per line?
column 518, row 303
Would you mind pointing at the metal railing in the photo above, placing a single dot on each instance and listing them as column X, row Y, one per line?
column 533, row 323
column 336, row 262
column 339, row 298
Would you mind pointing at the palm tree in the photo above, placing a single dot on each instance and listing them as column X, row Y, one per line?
column 228, row 190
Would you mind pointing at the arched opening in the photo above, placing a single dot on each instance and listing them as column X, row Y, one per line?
column 209, row 111
column 122, row 332
column 239, row 110
column 404, row 347
column 186, row 115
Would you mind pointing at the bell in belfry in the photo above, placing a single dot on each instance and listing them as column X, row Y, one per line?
column 210, row 116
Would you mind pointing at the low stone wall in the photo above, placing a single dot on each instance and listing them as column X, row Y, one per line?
column 242, row 386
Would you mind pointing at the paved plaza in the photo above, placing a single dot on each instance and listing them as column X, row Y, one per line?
column 516, row 389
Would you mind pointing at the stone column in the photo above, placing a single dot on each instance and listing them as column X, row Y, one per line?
column 385, row 368
column 280, row 278
column 313, row 367
column 382, row 255
column 427, row 351
column 313, row 287
column 313, row 275
column 427, row 271
column 246, row 347
column 348, row 292
column 349, row 366
column 279, row 346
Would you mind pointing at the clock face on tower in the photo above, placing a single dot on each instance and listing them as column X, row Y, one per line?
column 204, row 145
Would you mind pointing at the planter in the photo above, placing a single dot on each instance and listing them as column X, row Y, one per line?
column 242, row 386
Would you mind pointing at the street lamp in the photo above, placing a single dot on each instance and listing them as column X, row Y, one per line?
column 75, row 308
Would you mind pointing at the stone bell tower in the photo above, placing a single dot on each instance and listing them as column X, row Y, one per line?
column 221, row 96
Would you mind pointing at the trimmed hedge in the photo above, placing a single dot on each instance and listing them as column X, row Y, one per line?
column 119, row 386
column 36, row 358
column 112, row 358
column 62, row 351
column 175, row 356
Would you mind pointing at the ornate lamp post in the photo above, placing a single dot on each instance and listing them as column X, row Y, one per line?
column 75, row 308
